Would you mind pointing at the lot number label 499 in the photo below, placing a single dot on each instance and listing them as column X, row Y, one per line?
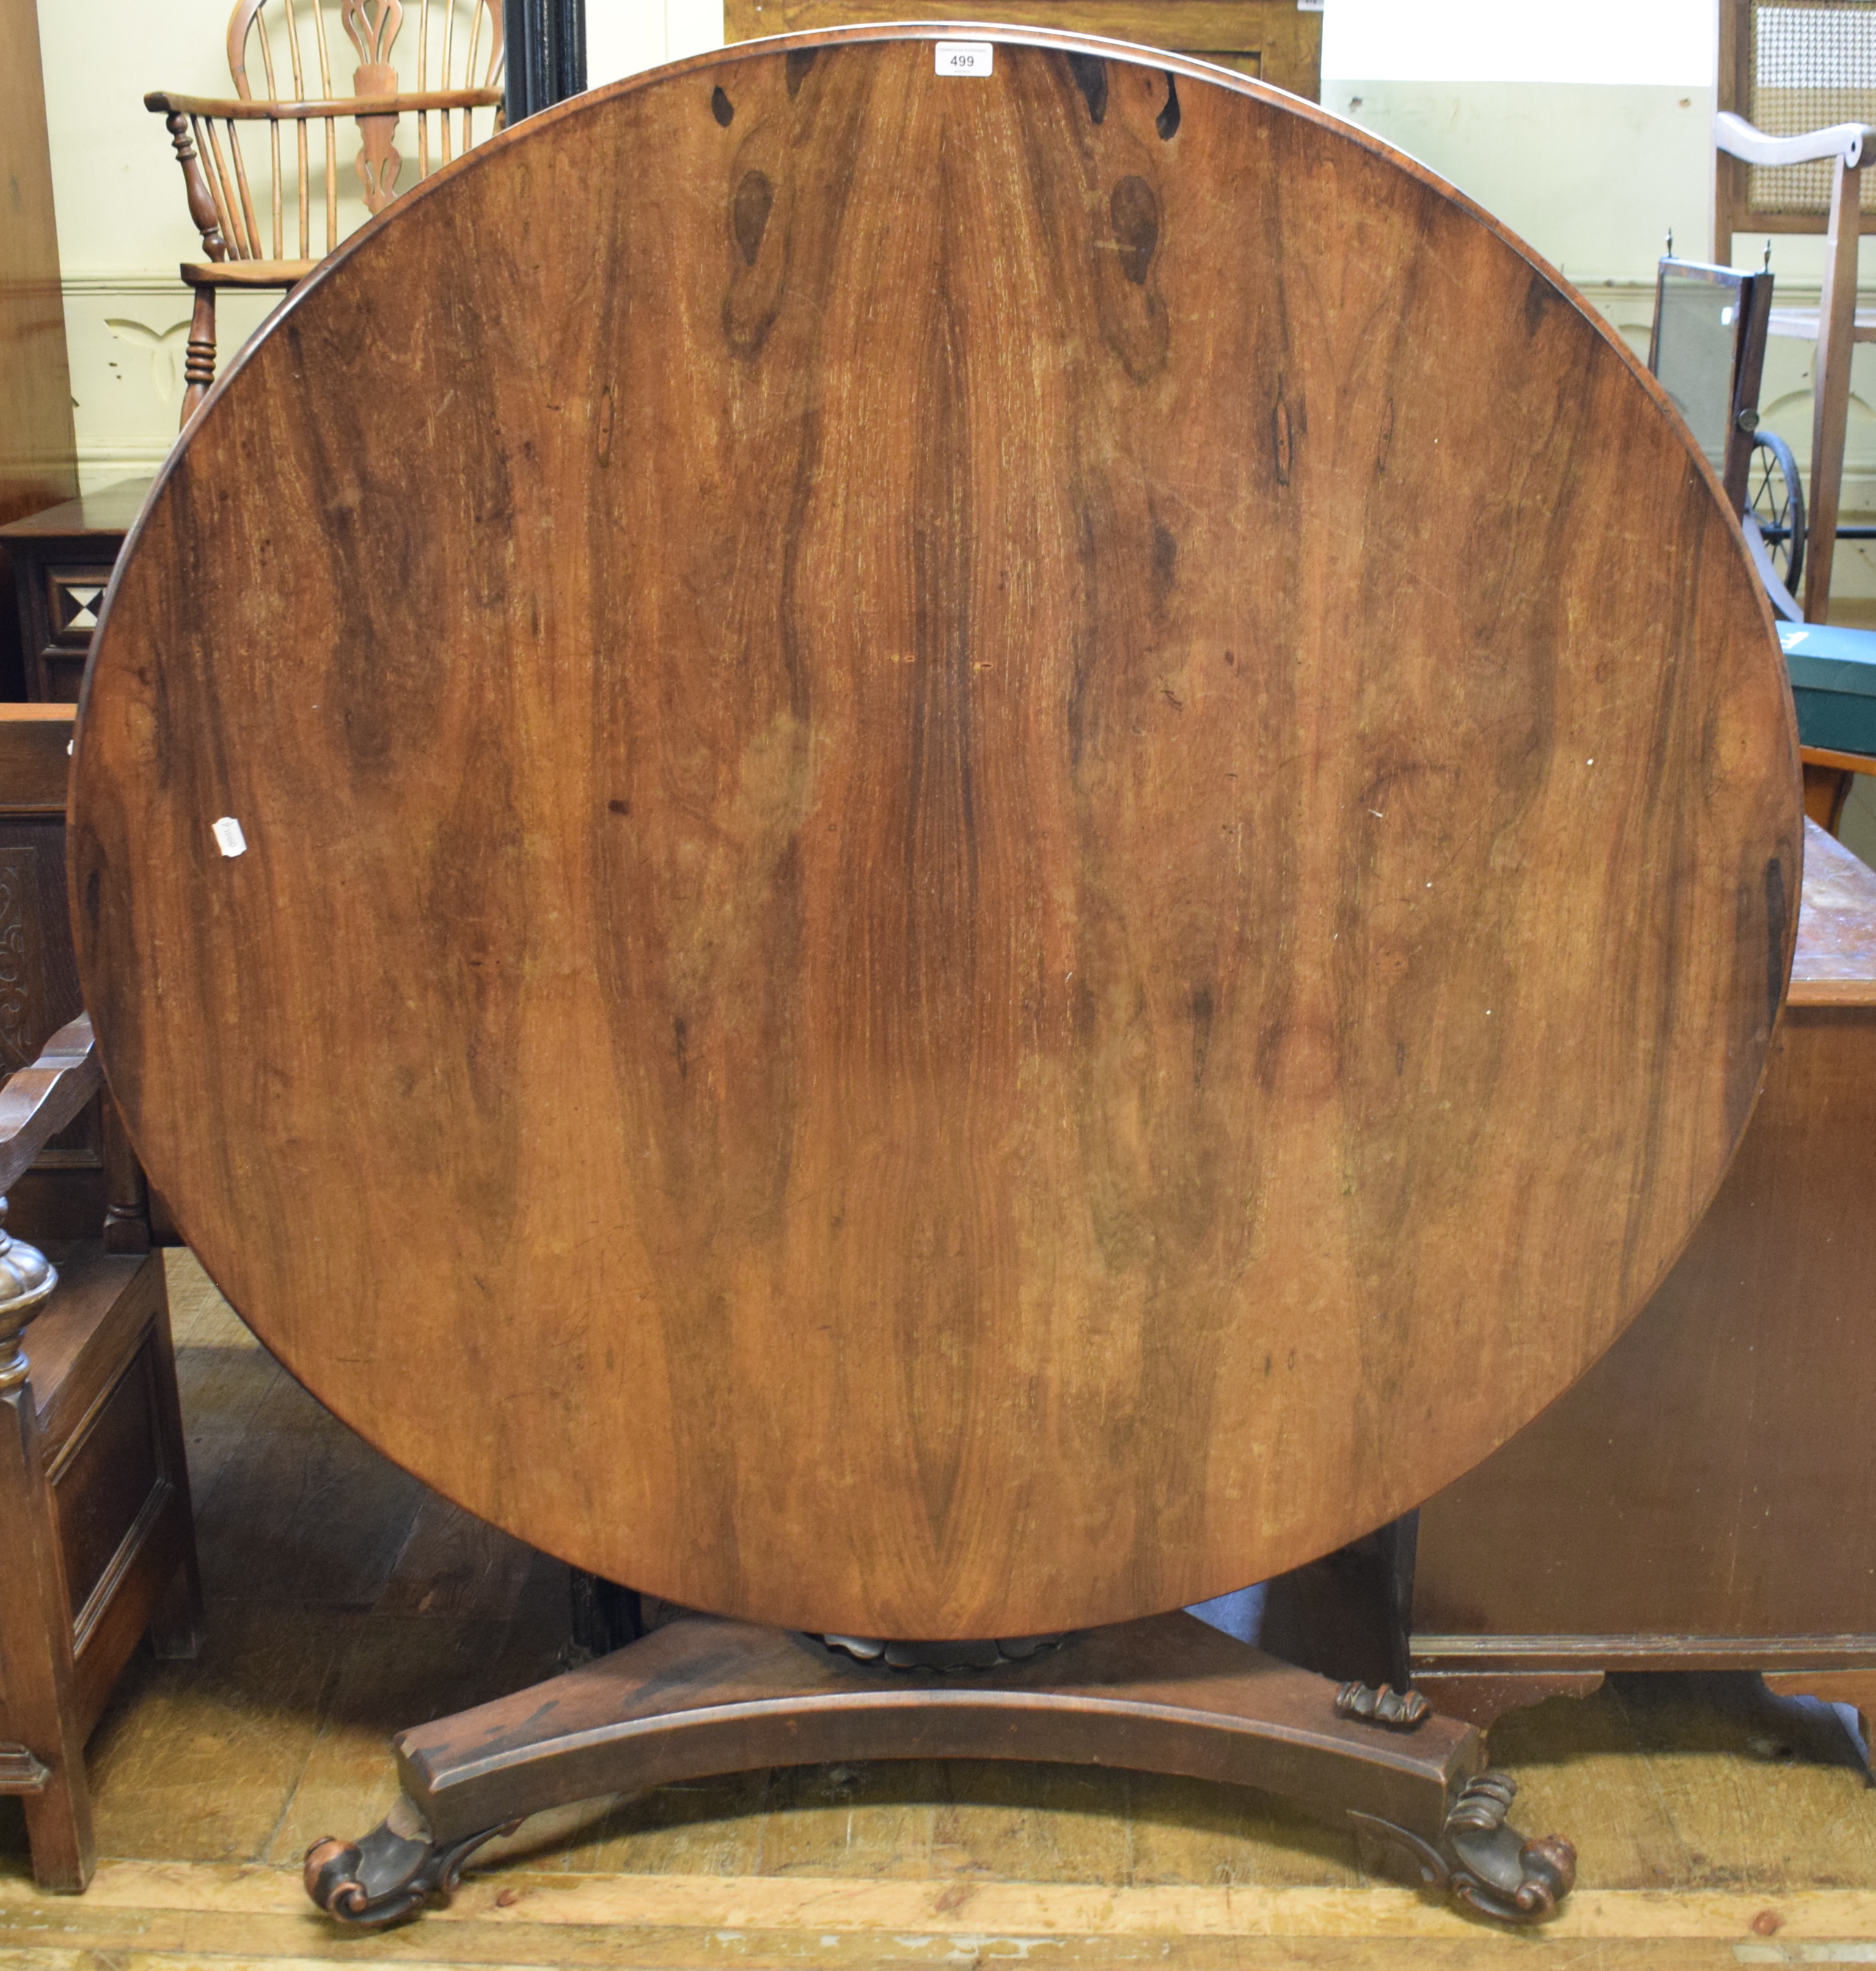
column 964, row 57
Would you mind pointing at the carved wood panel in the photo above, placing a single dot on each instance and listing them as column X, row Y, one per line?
column 38, row 972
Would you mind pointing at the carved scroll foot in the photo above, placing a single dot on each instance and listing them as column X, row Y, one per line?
column 1482, row 1860
column 1395, row 1710
column 394, row 1873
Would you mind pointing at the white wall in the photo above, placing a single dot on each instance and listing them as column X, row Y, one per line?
column 1586, row 129
column 624, row 36
column 1669, row 41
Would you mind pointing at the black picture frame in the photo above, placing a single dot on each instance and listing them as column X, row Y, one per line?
column 546, row 41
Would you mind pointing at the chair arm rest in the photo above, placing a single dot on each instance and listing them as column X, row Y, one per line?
column 243, row 111
column 38, row 1101
column 1738, row 138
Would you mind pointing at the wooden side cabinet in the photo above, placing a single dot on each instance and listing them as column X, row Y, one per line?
column 1705, row 1497
column 62, row 562
column 97, row 1544
column 1278, row 41
column 86, row 1175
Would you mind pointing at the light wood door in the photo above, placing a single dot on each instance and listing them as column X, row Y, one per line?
column 38, row 454
column 1275, row 41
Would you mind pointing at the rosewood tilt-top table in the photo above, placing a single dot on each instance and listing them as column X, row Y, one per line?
column 796, row 842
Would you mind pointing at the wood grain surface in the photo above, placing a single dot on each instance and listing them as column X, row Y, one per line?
column 1010, row 852
column 1833, row 962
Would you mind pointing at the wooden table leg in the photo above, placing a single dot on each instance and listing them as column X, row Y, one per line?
column 1826, row 789
column 1166, row 1695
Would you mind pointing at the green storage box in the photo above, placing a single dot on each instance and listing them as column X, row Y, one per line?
column 1833, row 679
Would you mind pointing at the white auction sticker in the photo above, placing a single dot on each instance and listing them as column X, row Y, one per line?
column 966, row 58
column 228, row 836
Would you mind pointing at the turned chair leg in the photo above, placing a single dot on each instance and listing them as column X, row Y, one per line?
column 198, row 368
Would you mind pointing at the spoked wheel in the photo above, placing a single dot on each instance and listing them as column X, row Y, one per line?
column 1775, row 495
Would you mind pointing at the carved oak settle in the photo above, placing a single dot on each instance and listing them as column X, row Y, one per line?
column 887, row 948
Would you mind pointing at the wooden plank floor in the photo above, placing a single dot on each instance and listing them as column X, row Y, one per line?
column 1715, row 1826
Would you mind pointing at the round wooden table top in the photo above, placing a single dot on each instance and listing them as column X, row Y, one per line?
column 1014, row 842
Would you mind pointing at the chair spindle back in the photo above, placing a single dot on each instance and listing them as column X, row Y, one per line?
column 287, row 57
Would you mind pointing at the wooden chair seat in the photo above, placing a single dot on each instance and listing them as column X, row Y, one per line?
column 245, row 273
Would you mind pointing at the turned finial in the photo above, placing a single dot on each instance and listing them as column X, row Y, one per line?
column 27, row 1279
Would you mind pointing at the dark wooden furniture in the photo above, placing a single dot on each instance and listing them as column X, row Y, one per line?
column 1828, row 776
column 1276, row 41
column 38, row 456
column 97, row 1546
column 1706, row 1490
column 62, row 558
column 958, row 1005
column 703, row 1696
column 96, row 1543
column 255, row 169
column 85, row 1175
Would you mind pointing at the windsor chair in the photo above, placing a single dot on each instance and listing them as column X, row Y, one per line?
column 252, row 168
